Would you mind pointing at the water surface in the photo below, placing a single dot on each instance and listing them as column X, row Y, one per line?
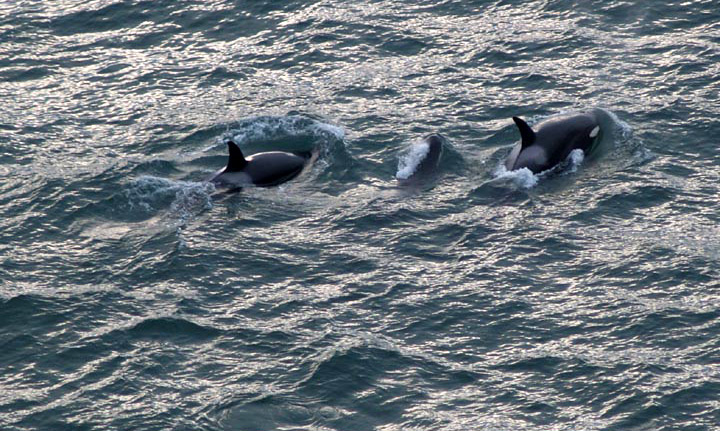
column 134, row 296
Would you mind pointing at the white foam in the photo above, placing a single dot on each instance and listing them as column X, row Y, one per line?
column 575, row 159
column 409, row 162
column 336, row 131
column 523, row 178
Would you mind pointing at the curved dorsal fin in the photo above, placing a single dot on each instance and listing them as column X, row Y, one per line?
column 236, row 160
column 526, row 133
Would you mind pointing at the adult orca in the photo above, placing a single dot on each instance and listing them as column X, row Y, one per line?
column 261, row 169
column 425, row 160
column 553, row 141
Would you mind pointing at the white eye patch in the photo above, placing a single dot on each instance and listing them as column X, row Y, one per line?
column 594, row 132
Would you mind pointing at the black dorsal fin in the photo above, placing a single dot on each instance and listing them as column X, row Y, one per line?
column 526, row 133
column 236, row 160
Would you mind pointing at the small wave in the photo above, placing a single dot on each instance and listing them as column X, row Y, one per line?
column 410, row 160
column 264, row 128
column 148, row 194
column 261, row 128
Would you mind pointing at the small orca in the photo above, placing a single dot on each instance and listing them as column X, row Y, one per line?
column 429, row 152
column 261, row 169
column 553, row 142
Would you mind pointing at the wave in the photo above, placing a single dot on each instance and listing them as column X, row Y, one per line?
column 292, row 132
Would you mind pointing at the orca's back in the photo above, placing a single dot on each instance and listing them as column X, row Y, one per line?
column 560, row 136
column 273, row 168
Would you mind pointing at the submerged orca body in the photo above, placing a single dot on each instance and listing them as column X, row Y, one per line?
column 261, row 169
column 553, row 141
column 427, row 166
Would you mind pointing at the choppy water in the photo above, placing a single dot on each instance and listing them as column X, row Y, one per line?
column 136, row 297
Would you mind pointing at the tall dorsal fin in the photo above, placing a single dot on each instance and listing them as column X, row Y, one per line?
column 236, row 160
column 526, row 133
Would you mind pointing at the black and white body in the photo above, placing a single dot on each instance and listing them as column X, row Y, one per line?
column 553, row 141
column 261, row 169
column 422, row 160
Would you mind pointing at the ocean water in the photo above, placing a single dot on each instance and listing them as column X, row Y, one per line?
column 134, row 296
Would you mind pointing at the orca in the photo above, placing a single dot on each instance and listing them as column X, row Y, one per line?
column 553, row 141
column 428, row 154
column 262, row 169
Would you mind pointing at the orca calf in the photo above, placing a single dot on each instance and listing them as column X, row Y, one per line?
column 261, row 169
column 426, row 157
column 553, row 141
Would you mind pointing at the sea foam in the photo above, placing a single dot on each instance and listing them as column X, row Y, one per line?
column 409, row 161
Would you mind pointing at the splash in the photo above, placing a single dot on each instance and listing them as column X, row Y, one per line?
column 409, row 162
column 573, row 161
column 526, row 179
column 523, row 178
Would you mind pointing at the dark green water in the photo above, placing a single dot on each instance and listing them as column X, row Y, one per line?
column 133, row 296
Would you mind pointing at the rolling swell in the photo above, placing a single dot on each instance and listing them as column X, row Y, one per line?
column 134, row 296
